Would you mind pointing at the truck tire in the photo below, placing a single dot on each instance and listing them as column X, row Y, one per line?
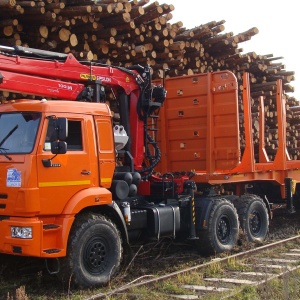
column 222, row 230
column 254, row 217
column 94, row 252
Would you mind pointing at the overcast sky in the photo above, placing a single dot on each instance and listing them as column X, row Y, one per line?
column 277, row 22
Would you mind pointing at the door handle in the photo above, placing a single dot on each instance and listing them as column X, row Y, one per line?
column 85, row 172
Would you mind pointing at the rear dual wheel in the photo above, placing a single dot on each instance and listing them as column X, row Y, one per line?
column 254, row 217
column 222, row 230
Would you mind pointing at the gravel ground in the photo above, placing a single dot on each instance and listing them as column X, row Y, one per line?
column 284, row 224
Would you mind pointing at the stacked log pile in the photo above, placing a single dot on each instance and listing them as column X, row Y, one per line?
column 127, row 32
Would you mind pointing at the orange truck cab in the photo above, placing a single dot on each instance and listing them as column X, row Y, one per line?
column 35, row 182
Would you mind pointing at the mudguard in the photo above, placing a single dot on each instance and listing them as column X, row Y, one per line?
column 202, row 211
column 121, row 222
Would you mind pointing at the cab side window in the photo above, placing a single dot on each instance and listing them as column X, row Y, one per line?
column 74, row 139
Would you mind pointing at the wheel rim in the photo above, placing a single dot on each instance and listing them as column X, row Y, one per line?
column 95, row 255
column 224, row 230
column 255, row 222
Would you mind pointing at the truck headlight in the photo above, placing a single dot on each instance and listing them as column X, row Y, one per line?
column 21, row 232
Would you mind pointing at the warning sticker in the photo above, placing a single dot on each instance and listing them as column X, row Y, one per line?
column 13, row 178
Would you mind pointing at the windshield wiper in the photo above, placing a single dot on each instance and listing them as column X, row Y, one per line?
column 3, row 151
column 8, row 135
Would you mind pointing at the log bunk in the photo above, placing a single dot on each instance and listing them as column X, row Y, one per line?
column 126, row 32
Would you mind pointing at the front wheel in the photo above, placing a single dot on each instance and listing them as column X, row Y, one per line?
column 94, row 252
column 222, row 228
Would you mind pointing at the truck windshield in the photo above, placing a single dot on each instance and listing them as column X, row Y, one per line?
column 18, row 132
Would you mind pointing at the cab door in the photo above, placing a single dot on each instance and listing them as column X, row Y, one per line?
column 69, row 173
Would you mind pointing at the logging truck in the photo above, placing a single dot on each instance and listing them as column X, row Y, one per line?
column 82, row 175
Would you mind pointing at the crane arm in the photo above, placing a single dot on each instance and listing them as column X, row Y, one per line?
column 66, row 67
column 27, row 84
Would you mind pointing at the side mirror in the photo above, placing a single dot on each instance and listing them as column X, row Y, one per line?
column 59, row 147
column 60, row 128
